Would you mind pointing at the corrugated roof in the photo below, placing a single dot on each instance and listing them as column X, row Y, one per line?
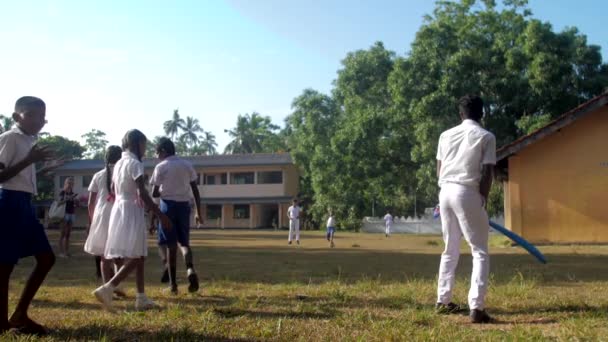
column 555, row 125
column 223, row 160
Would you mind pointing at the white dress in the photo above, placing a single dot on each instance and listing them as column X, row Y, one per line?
column 98, row 232
column 127, row 234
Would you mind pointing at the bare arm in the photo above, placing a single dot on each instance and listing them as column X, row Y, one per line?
column 487, row 174
column 36, row 154
column 156, row 191
column 438, row 168
column 197, row 201
column 91, row 205
column 149, row 203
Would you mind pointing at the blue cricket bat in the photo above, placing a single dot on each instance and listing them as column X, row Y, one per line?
column 520, row 241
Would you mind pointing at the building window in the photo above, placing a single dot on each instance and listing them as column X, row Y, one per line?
column 224, row 178
column 241, row 211
column 86, row 181
column 62, row 180
column 198, row 179
column 214, row 211
column 270, row 177
column 209, row 179
column 242, row 178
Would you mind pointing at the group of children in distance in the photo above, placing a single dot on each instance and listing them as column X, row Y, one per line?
column 295, row 211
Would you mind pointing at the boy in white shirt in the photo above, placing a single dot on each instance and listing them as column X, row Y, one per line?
column 294, row 212
column 331, row 229
column 465, row 158
column 388, row 223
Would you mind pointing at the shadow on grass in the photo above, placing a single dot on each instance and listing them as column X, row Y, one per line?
column 556, row 309
column 234, row 312
column 109, row 333
column 198, row 299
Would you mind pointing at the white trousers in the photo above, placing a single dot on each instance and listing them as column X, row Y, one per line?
column 462, row 214
column 294, row 228
column 387, row 230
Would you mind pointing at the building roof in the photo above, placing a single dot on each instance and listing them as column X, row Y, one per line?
column 223, row 160
column 554, row 126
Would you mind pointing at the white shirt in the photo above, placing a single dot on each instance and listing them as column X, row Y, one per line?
column 174, row 175
column 463, row 150
column 388, row 218
column 126, row 171
column 331, row 222
column 14, row 147
column 294, row 212
column 99, row 185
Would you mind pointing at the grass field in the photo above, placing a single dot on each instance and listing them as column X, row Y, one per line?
column 368, row 288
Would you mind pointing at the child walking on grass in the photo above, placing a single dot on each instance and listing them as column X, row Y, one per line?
column 127, row 233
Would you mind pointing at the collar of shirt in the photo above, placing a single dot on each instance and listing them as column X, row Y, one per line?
column 19, row 131
column 128, row 154
column 470, row 122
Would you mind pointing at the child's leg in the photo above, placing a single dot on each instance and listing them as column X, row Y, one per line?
column 139, row 275
column 107, row 269
column 172, row 262
column 187, row 254
column 98, row 268
column 5, row 274
column 68, row 232
column 124, row 271
column 44, row 263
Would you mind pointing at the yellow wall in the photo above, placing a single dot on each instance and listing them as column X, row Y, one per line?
column 557, row 187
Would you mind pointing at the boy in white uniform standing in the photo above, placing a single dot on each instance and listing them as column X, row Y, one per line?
column 293, row 212
column 465, row 158
column 388, row 223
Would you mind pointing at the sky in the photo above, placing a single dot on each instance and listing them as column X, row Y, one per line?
column 114, row 65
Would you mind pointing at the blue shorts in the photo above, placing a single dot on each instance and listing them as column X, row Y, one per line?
column 331, row 230
column 179, row 214
column 69, row 218
column 22, row 234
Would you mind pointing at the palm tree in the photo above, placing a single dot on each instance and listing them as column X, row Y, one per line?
column 208, row 144
column 250, row 134
column 173, row 126
column 6, row 122
column 191, row 129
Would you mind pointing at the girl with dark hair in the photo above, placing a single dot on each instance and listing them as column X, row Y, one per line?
column 101, row 201
column 127, row 233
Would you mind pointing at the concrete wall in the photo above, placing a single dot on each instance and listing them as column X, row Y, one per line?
column 556, row 190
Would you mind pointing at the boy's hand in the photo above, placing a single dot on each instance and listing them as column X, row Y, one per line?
column 40, row 153
column 166, row 222
column 198, row 219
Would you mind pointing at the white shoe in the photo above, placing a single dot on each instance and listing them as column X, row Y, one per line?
column 104, row 296
column 144, row 303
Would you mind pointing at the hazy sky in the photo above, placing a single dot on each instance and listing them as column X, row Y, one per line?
column 115, row 65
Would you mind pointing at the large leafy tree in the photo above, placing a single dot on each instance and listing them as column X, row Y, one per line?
column 173, row 126
column 95, row 144
column 253, row 133
column 208, row 145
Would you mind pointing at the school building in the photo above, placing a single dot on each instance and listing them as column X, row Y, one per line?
column 237, row 190
column 556, row 178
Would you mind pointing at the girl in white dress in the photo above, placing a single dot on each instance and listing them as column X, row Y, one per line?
column 101, row 200
column 127, row 233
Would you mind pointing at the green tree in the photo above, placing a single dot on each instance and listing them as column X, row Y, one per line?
column 525, row 72
column 95, row 144
column 208, row 145
column 6, row 122
column 253, row 133
column 173, row 126
column 65, row 150
column 191, row 128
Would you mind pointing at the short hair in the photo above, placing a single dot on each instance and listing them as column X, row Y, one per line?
column 25, row 103
column 165, row 145
column 471, row 107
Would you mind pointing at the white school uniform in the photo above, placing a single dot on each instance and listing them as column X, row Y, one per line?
column 462, row 151
column 15, row 145
column 127, row 234
column 388, row 223
column 293, row 212
column 98, row 232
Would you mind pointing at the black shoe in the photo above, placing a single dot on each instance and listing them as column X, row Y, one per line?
column 173, row 289
column 446, row 309
column 165, row 278
column 480, row 316
column 193, row 279
column 298, row 242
